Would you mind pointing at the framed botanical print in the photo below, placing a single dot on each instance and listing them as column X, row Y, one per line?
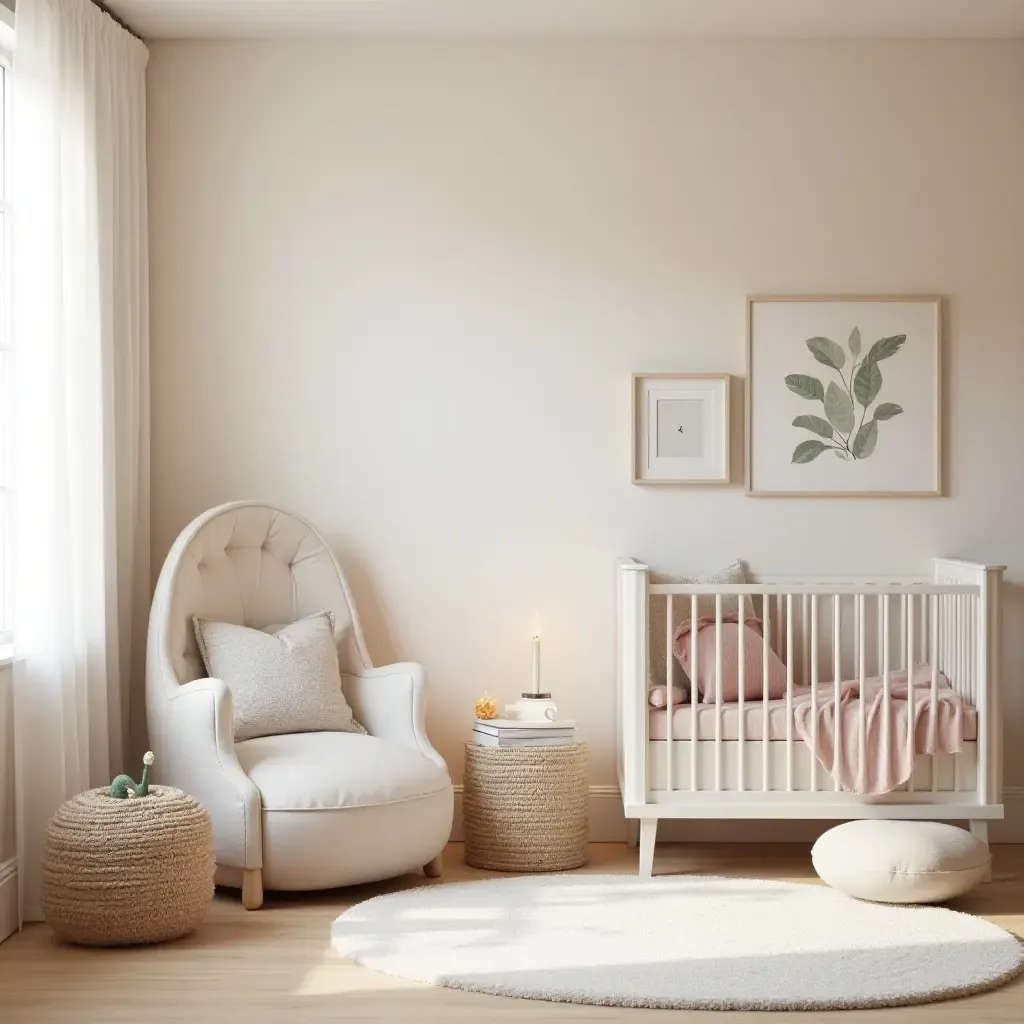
column 680, row 428
column 844, row 396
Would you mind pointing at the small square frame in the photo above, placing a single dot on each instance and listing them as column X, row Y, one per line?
column 710, row 467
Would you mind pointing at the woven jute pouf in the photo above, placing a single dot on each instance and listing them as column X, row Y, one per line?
column 525, row 808
column 118, row 872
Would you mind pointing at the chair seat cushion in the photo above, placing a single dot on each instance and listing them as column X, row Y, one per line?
column 326, row 771
column 900, row 861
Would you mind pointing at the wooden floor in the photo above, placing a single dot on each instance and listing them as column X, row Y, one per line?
column 275, row 964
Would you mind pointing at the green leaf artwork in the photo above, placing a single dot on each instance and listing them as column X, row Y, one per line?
column 806, row 387
column 867, row 382
column 827, row 352
column 839, row 408
column 808, row 451
column 821, row 427
column 840, row 431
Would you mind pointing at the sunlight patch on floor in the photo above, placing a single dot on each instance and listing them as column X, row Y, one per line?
column 336, row 977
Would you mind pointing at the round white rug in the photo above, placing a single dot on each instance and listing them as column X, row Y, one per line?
column 685, row 942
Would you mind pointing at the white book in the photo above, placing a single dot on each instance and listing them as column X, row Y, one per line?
column 524, row 734
column 517, row 723
column 485, row 740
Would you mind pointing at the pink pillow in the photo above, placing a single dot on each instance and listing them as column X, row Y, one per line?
column 753, row 679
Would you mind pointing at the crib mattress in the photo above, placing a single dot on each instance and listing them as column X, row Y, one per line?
column 753, row 720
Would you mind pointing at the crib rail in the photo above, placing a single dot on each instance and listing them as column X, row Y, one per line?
column 827, row 635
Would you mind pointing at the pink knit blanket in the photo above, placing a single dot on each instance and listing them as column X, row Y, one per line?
column 878, row 756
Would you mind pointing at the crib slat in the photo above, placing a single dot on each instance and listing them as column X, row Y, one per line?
column 962, row 643
column 983, row 681
column 923, row 658
column 935, row 689
column 789, row 693
column 765, row 649
column 960, row 684
column 973, row 630
column 908, row 617
column 814, row 690
column 718, row 693
column 878, row 635
column 856, row 634
column 741, row 729
column 837, row 682
column 693, row 693
column 886, row 684
column 903, row 630
column 669, row 693
column 861, row 673
column 805, row 636
column 957, row 674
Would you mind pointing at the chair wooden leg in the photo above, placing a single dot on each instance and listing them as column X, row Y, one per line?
column 252, row 888
column 434, row 867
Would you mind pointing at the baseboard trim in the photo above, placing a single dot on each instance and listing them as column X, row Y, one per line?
column 8, row 897
column 608, row 825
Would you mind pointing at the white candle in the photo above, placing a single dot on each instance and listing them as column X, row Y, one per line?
column 536, row 664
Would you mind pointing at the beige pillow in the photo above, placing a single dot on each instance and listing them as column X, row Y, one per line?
column 283, row 680
column 735, row 573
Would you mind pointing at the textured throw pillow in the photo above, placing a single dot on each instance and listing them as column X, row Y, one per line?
column 735, row 573
column 281, row 681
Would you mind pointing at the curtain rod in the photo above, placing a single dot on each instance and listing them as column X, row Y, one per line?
column 118, row 21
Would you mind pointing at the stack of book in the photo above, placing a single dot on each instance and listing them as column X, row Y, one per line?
column 507, row 732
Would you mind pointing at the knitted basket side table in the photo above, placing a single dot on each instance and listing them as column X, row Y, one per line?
column 117, row 872
column 525, row 808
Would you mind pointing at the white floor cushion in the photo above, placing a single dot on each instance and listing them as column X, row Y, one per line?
column 900, row 861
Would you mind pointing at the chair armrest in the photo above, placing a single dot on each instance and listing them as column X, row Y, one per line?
column 196, row 753
column 389, row 702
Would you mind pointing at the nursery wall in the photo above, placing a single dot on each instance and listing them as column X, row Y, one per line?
column 400, row 286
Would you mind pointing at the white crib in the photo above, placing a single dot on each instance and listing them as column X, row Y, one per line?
column 824, row 631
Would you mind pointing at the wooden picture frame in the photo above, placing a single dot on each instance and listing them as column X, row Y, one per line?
column 830, row 379
column 680, row 428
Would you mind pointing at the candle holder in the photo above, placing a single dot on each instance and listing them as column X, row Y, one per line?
column 534, row 705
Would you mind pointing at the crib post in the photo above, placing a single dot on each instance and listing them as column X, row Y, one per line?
column 648, row 834
column 633, row 688
column 979, row 829
column 990, row 717
column 987, row 668
column 741, row 725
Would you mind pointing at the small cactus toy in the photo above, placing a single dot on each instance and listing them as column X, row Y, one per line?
column 124, row 786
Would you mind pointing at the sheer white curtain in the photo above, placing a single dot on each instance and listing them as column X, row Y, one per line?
column 80, row 370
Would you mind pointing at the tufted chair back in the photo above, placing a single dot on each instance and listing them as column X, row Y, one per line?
column 253, row 565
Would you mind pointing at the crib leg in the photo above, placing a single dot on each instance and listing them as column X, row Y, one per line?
column 632, row 832
column 648, row 831
column 979, row 829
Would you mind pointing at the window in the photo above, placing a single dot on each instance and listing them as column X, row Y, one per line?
column 6, row 41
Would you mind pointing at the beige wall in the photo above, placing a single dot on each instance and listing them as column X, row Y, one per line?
column 400, row 286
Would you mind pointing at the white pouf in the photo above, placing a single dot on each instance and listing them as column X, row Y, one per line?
column 900, row 861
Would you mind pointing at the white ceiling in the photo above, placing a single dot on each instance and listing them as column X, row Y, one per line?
column 768, row 18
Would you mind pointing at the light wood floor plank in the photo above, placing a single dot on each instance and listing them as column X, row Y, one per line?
column 274, row 966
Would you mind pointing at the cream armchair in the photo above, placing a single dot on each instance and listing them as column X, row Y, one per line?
column 299, row 811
